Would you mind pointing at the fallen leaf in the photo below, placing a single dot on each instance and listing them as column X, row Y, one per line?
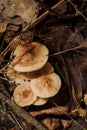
column 27, row 10
column 53, row 110
column 13, row 27
column 17, row 12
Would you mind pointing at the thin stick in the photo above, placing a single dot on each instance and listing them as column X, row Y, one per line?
column 41, row 17
column 77, row 10
column 9, row 113
column 71, row 49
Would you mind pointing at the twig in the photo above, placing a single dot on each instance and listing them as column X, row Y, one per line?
column 46, row 7
column 41, row 17
column 71, row 49
column 26, row 116
column 77, row 10
column 9, row 113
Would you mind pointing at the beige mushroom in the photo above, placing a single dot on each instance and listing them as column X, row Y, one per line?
column 46, row 69
column 16, row 77
column 85, row 98
column 20, row 77
column 40, row 101
column 30, row 57
column 23, row 95
column 46, row 86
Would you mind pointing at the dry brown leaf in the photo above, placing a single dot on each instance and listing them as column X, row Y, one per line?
column 51, row 123
column 17, row 12
column 26, row 9
column 14, row 21
column 13, row 27
column 54, row 110
column 65, row 123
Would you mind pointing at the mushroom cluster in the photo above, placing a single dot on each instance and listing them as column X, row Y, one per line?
column 33, row 75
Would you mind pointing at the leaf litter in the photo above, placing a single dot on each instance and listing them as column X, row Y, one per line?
column 61, row 26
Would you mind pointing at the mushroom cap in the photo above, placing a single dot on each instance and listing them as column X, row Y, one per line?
column 30, row 57
column 17, row 77
column 46, row 86
column 40, row 101
column 23, row 95
column 46, row 69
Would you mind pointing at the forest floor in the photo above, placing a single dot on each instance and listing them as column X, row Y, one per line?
column 60, row 25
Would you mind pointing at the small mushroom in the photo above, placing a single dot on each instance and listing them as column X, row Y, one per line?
column 40, row 101
column 30, row 57
column 46, row 86
column 46, row 69
column 85, row 98
column 23, row 95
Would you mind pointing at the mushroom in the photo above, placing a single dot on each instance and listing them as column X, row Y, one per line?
column 85, row 98
column 30, row 57
column 46, row 69
column 16, row 77
column 23, row 95
column 40, row 101
column 46, row 85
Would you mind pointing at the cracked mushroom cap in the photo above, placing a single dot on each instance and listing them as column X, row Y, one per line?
column 40, row 101
column 30, row 57
column 23, row 95
column 46, row 86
